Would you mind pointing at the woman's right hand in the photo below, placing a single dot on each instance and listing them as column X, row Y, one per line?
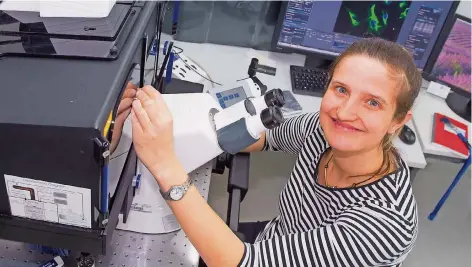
column 153, row 136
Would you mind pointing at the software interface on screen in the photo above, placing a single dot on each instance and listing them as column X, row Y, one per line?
column 329, row 27
column 453, row 63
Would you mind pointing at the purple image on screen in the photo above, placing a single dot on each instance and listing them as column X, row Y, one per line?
column 453, row 63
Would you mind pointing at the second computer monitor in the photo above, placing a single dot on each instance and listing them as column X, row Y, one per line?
column 453, row 64
column 327, row 28
column 450, row 64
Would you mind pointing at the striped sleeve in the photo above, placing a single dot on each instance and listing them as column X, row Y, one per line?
column 290, row 136
column 362, row 236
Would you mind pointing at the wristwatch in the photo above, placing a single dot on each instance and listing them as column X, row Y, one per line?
column 177, row 192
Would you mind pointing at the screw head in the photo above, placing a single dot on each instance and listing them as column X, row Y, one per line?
column 114, row 51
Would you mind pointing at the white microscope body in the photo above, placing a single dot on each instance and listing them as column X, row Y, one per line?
column 203, row 129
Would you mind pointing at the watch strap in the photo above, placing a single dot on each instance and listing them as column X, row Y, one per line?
column 185, row 186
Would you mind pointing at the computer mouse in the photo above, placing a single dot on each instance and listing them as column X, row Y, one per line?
column 407, row 135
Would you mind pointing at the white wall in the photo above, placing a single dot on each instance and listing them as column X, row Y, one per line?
column 464, row 8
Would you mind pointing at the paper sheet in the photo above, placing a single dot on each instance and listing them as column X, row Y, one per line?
column 451, row 130
column 150, row 213
column 438, row 89
column 46, row 201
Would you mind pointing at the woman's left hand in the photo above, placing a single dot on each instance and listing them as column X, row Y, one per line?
column 153, row 134
column 124, row 109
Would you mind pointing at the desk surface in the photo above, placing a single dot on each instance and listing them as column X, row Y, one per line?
column 423, row 113
column 226, row 64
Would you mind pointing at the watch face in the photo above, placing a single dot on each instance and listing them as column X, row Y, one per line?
column 176, row 193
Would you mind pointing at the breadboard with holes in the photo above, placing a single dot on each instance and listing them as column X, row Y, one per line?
column 183, row 67
column 128, row 249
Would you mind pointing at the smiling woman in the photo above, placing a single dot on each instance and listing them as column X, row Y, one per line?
column 363, row 110
column 348, row 201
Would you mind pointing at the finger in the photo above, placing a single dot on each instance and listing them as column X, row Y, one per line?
column 119, row 123
column 141, row 115
column 131, row 86
column 153, row 93
column 144, row 98
column 129, row 93
column 124, row 105
column 135, row 126
column 162, row 111
column 121, row 117
column 150, row 105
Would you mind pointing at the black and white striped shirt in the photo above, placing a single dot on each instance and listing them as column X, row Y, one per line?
column 370, row 225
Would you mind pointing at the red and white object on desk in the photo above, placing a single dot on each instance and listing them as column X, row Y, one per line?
column 445, row 136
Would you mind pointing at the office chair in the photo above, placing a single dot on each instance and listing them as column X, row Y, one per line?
column 238, row 184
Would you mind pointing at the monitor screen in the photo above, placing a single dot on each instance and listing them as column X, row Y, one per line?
column 329, row 27
column 453, row 63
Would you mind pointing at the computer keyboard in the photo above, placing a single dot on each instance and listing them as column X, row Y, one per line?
column 308, row 81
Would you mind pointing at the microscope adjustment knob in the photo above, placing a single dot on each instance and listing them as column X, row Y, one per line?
column 275, row 97
column 272, row 117
column 253, row 67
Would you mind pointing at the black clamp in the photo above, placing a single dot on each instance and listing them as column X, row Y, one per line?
column 252, row 70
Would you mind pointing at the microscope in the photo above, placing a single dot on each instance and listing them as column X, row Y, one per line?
column 203, row 130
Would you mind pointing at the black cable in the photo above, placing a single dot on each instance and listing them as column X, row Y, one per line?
column 180, row 50
column 194, row 70
column 243, row 79
column 143, row 61
column 161, row 10
column 161, row 71
column 158, row 42
column 161, row 22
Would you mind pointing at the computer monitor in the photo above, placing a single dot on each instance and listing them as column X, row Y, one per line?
column 450, row 64
column 324, row 29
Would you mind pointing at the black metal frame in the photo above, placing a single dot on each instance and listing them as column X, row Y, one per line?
column 238, row 184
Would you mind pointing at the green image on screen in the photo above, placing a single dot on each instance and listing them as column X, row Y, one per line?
column 382, row 19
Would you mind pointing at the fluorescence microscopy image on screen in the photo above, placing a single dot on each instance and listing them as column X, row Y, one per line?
column 372, row 18
column 453, row 65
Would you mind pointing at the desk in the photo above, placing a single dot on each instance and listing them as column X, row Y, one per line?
column 225, row 64
column 423, row 112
